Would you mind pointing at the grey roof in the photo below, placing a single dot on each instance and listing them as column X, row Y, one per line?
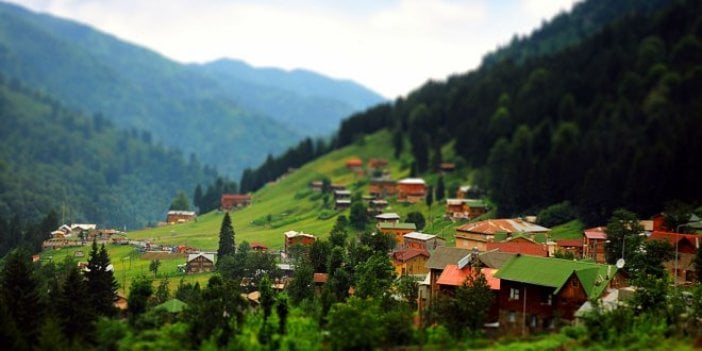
column 495, row 258
column 444, row 255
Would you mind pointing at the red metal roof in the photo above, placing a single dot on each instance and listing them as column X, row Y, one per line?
column 521, row 247
column 321, row 278
column 492, row 226
column 404, row 255
column 570, row 243
column 674, row 238
column 354, row 162
column 597, row 233
column 454, row 276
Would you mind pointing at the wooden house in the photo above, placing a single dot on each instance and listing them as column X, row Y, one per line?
column 437, row 262
column 355, row 165
column 174, row 217
column 342, row 195
column 411, row 190
column 594, row 242
column 258, row 247
column 381, row 187
column 570, row 246
column 422, row 241
column 294, row 238
column 397, row 230
column 535, row 292
column 465, row 208
column 231, row 201
column 200, row 262
column 519, row 245
column 455, row 275
column 477, row 234
column 342, row 204
column 410, row 261
column 316, row 186
column 389, row 217
column 681, row 267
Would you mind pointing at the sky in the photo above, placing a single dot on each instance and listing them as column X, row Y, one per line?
column 389, row 46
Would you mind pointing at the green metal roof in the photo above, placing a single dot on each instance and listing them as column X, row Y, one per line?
column 555, row 272
column 173, row 306
column 411, row 226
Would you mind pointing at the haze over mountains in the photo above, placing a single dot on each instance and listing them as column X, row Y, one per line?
column 227, row 113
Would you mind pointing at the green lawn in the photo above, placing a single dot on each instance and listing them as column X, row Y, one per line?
column 571, row 230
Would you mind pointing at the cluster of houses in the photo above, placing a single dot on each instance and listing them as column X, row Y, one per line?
column 227, row 202
column 79, row 234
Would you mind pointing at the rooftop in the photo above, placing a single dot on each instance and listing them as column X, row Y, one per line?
column 406, row 226
column 403, row 255
column 492, row 226
column 444, row 255
column 597, row 233
column 412, row 181
column 454, row 276
column 293, row 234
column 419, row 236
column 389, row 215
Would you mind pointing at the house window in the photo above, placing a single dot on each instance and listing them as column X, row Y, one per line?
column 513, row 294
column 512, row 316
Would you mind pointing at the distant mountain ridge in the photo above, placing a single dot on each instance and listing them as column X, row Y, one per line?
column 187, row 107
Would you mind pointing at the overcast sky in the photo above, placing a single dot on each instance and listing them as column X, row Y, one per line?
column 390, row 46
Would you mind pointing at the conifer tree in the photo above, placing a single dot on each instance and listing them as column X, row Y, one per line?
column 440, row 189
column 74, row 311
column 226, row 238
column 100, row 280
column 19, row 292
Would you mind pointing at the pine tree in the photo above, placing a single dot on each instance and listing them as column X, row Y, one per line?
column 226, row 238
column 101, row 283
column 440, row 189
column 74, row 311
column 19, row 291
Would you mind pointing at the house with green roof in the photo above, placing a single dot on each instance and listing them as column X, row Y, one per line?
column 397, row 230
column 537, row 292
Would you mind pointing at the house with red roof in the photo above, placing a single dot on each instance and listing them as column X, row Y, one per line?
column 410, row 261
column 455, row 275
column 570, row 246
column 520, row 245
column 231, row 201
column 594, row 242
column 682, row 266
column 422, row 241
column 478, row 234
column 355, row 165
column 411, row 190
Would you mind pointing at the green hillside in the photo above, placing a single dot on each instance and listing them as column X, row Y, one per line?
column 292, row 206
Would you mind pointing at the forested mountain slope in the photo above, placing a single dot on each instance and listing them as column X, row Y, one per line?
column 614, row 121
column 189, row 107
column 83, row 167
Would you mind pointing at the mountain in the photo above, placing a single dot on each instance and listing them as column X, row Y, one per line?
column 199, row 110
column 612, row 121
column 307, row 102
column 83, row 167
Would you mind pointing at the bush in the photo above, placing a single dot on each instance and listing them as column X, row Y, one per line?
column 556, row 214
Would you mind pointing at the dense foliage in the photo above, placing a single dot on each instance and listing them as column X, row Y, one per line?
column 83, row 167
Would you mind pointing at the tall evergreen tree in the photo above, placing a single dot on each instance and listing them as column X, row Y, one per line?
column 101, row 282
column 73, row 306
column 440, row 189
column 226, row 238
column 19, row 291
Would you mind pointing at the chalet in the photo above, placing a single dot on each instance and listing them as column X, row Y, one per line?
column 409, row 261
column 447, row 167
column 381, row 187
column 411, row 190
column 316, row 186
column 455, row 275
column 377, row 163
column 422, row 241
column 440, row 258
column 342, row 194
column 397, row 230
column 465, row 208
column 294, row 238
column 594, row 241
column 682, row 266
column 535, row 292
column 342, row 204
column 477, row 234
column 354, row 165
column 390, row 217
column 570, row 246
column 258, row 247
column 519, row 245
column 231, row 201
column 174, row 217
column 200, row 262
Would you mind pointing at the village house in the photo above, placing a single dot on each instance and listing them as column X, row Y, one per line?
column 342, row 194
column 294, row 238
column 469, row 192
column 572, row 247
column 355, row 165
column 535, row 292
column 381, row 187
column 376, row 206
column 519, row 245
column 439, row 259
column 465, row 208
column 342, row 204
column 477, row 234
column 447, row 167
column 377, row 163
column 411, row 190
column 231, row 201
column 389, row 217
column 422, row 241
column 397, row 230
column 200, row 262
column 410, row 261
column 258, row 247
column 594, row 242
column 316, row 186
column 455, row 275
column 682, row 266
column 175, row 217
